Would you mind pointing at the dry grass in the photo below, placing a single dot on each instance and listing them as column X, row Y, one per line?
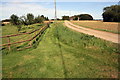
column 99, row 25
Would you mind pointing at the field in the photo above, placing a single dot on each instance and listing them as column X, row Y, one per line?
column 63, row 53
column 11, row 29
column 99, row 25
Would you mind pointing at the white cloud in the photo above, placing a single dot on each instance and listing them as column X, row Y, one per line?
column 21, row 9
column 24, row 8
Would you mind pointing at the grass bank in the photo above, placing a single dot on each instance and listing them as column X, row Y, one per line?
column 63, row 53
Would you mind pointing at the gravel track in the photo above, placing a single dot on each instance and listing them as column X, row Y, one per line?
column 100, row 34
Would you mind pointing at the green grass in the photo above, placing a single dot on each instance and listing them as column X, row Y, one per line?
column 63, row 53
column 30, row 28
column 116, row 32
column 11, row 29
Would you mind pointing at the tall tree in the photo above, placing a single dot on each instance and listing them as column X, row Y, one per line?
column 24, row 20
column 42, row 16
column 39, row 19
column 30, row 18
column 14, row 19
column 111, row 13
column 47, row 18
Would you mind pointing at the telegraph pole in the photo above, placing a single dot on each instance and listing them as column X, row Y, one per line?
column 55, row 10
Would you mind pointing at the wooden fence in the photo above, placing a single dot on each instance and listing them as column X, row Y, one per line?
column 9, row 43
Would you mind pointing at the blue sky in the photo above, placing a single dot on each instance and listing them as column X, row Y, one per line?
column 47, row 8
column 93, row 8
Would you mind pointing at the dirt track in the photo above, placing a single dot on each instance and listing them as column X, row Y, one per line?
column 100, row 34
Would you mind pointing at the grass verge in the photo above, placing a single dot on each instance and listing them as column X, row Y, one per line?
column 63, row 53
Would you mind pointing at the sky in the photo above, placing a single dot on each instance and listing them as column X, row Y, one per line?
column 7, row 8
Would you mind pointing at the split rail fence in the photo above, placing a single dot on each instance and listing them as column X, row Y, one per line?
column 9, row 43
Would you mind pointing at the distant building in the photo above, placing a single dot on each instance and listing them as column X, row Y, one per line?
column 6, row 21
column 72, row 18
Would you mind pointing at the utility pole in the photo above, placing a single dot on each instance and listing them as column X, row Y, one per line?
column 55, row 10
column 70, row 13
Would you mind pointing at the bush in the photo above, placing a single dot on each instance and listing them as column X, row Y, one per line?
column 65, row 17
column 2, row 24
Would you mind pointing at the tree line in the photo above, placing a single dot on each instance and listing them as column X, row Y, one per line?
column 78, row 17
column 27, row 20
column 110, row 14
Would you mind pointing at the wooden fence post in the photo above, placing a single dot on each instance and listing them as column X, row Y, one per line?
column 37, row 32
column 35, row 35
column 9, row 43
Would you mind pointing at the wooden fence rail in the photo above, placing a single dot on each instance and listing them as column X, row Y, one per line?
column 41, row 30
